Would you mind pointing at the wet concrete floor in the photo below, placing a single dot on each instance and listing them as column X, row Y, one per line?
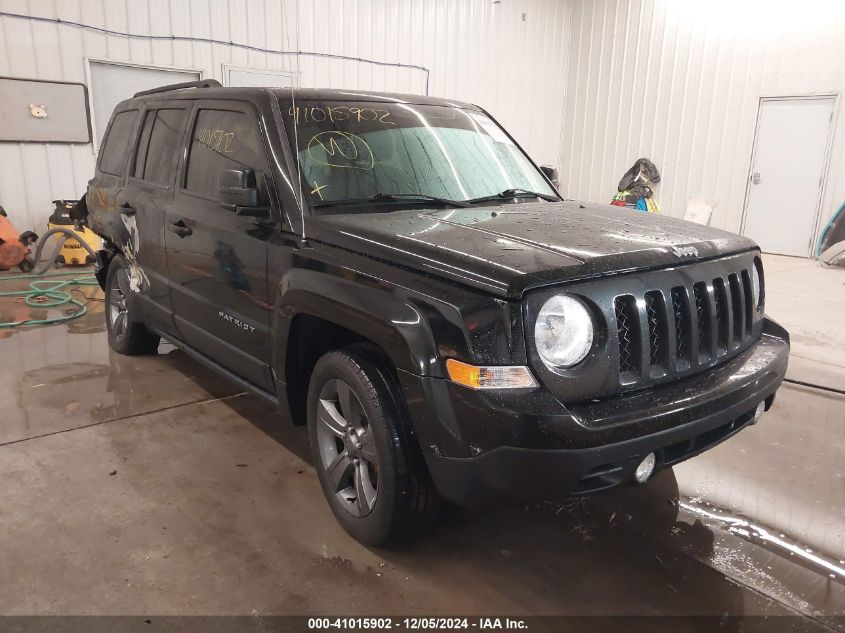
column 148, row 485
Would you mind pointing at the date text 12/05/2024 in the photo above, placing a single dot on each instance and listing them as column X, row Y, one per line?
column 416, row 623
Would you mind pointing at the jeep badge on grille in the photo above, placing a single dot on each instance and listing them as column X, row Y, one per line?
column 685, row 251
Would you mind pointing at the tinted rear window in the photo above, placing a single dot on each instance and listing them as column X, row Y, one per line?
column 159, row 147
column 222, row 140
column 114, row 151
column 143, row 144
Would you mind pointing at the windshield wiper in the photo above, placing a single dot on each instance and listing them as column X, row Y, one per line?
column 515, row 193
column 393, row 197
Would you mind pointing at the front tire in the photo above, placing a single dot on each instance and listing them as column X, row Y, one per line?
column 370, row 468
column 126, row 336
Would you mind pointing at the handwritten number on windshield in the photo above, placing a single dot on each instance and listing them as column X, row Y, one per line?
column 315, row 114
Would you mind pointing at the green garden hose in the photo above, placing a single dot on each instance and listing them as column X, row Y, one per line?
column 47, row 292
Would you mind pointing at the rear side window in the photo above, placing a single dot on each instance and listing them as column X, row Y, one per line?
column 143, row 145
column 158, row 149
column 114, row 151
column 221, row 140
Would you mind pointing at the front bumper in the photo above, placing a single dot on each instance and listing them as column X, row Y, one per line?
column 483, row 446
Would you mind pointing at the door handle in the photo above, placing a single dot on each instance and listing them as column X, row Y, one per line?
column 178, row 227
column 127, row 209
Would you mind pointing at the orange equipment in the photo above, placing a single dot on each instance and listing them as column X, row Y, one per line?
column 14, row 246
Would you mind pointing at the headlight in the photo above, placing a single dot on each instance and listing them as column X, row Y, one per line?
column 563, row 332
column 755, row 286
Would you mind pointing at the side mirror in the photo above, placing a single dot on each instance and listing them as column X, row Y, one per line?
column 238, row 192
column 551, row 174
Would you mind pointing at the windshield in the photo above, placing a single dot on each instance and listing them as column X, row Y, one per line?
column 360, row 150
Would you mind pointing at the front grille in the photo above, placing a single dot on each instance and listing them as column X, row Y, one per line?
column 747, row 293
column 656, row 315
column 681, row 310
column 626, row 323
column 702, row 309
column 654, row 327
column 720, row 300
column 687, row 326
column 737, row 308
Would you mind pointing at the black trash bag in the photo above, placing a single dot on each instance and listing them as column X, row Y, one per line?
column 632, row 177
column 637, row 192
column 641, row 191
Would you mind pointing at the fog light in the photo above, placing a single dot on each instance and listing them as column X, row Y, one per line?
column 646, row 468
column 759, row 411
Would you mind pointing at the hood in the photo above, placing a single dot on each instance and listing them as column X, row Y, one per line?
column 507, row 249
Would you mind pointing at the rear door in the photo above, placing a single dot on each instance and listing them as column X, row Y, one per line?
column 106, row 185
column 148, row 192
column 216, row 258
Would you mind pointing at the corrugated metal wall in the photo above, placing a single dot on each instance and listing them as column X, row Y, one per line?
column 508, row 57
column 679, row 82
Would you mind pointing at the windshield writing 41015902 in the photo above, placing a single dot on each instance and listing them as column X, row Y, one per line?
column 318, row 114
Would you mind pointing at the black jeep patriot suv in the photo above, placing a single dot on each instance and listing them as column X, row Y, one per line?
column 395, row 271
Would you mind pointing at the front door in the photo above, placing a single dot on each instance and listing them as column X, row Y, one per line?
column 787, row 173
column 218, row 259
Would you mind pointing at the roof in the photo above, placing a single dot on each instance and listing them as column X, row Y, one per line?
column 210, row 91
column 331, row 94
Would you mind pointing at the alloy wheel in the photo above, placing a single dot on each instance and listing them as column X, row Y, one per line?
column 347, row 448
column 117, row 300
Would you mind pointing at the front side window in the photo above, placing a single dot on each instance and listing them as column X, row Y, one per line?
column 223, row 139
column 158, row 149
column 115, row 150
column 357, row 150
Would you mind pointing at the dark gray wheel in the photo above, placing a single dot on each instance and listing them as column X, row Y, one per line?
column 346, row 448
column 367, row 459
column 126, row 335
column 118, row 293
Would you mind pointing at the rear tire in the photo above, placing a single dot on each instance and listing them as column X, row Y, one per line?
column 125, row 335
column 369, row 464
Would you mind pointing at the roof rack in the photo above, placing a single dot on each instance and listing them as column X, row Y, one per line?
column 204, row 83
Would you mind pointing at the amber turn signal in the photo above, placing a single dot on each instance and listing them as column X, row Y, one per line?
column 490, row 377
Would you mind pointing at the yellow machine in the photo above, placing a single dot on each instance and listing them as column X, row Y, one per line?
column 72, row 253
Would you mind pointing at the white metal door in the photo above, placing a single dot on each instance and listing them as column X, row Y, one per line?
column 110, row 83
column 787, row 173
column 254, row 77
